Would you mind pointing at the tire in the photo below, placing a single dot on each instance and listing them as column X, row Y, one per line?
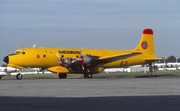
column 88, row 75
column 19, row 76
column 0, row 76
column 62, row 76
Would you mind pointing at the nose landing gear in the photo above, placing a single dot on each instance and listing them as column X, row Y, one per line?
column 19, row 76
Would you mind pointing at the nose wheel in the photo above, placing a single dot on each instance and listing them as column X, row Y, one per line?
column 19, row 76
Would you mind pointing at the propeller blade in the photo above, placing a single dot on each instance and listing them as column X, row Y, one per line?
column 81, row 51
column 82, row 67
column 58, row 57
column 79, row 59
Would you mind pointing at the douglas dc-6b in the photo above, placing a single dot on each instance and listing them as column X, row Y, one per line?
column 63, row 61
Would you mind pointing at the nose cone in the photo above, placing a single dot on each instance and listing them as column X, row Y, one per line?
column 6, row 59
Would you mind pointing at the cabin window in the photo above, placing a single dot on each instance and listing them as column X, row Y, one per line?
column 23, row 52
column 44, row 55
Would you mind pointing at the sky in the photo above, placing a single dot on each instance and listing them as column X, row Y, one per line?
column 112, row 24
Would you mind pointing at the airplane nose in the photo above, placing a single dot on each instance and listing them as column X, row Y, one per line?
column 6, row 59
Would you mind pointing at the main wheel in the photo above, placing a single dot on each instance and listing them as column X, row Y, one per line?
column 88, row 76
column 19, row 76
column 61, row 76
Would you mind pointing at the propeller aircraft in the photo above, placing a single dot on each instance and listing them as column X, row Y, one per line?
column 63, row 61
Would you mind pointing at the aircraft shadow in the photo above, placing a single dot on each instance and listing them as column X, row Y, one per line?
column 154, row 75
column 115, row 103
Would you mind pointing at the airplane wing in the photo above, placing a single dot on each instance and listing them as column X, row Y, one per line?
column 117, row 57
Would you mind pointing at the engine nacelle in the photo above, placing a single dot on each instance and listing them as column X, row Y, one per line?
column 79, row 63
column 87, row 59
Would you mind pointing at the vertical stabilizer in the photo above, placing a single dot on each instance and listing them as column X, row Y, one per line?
column 146, row 44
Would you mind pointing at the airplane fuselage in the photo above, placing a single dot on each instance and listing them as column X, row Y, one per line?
column 46, row 58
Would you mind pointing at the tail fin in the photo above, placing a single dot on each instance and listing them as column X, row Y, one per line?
column 146, row 44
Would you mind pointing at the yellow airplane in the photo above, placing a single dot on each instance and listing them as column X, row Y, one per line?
column 63, row 61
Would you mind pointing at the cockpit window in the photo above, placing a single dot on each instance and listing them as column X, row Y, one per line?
column 18, row 52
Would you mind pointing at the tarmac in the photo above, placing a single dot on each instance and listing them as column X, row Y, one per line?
column 96, row 94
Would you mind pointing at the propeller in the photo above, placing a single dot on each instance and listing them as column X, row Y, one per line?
column 59, row 61
column 81, row 51
column 68, row 62
column 58, row 57
column 81, row 58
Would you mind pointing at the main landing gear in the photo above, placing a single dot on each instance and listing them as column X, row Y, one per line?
column 88, row 76
column 63, row 76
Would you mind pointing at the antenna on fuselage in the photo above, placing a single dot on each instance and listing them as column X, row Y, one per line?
column 34, row 45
